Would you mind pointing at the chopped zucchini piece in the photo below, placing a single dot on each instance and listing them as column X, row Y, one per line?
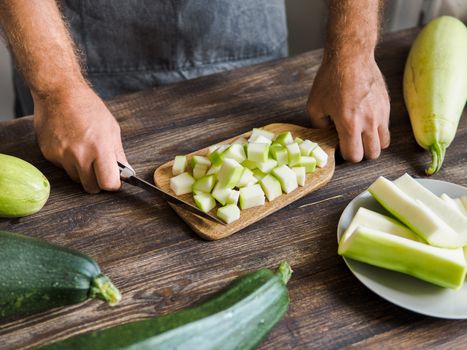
column 285, row 138
column 306, row 147
column 204, row 201
column 249, row 164
column 247, row 178
column 217, row 156
column 252, row 196
column 261, row 139
column 241, row 141
column 286, row 177
column 320, row 156
column 267, row 166
column 235, row 151
column 300, row 173
column 260, row 132
column 233, row 197
column 258, row 174
column 179, row 165
column 271, row 187
column 279, row 153
column 443, row 267
column 204, row 184
column 221, row 194
column 200, row 160
column 416, row 215
column 214, row 169
column 212, row 148
column 230, row 173
column 456, row 220
column 229, row 213
column 258, row 152
column 182, row 184
column 308, row 162
column 293, row 151
column 199, row 171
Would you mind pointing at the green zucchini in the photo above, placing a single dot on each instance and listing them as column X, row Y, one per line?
column 238, row 317
column 36, row 276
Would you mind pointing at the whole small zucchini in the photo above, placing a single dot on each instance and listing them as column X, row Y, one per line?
column 37, row 276
column 238, row 317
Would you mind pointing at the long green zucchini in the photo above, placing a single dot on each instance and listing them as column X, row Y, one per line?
column 36, row 276
column 435, row 85
column 238, row 317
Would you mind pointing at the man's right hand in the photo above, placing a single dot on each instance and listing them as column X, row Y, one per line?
column 77, row 132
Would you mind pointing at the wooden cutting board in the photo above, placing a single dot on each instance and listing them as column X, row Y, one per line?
column 209, row 230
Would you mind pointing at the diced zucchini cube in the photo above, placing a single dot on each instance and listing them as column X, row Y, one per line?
column 258, row 174
column 200, row 160
column 229, row 213
column 179, row 165
column 205, row 184
column 217, row 156
column 260, row 132
column 233, row 197
column 258, row 152
column 286, row 177
column 284, row 138
column 212, row 148
column 261, row 139
column 309, row 163
column 235, row 151
column 306, row 147
column 249, row 164
column 230, row 173
column 279, row 153
column 182, row 184
column 204, row 201
column 247, row 178
column 300, row 172
column 294, row 153
column 267, row 166
column 320, row 156
column 214, row 169
column 252, row 196
column 221, row 194
column 271, row 187
column 241, row 141
column 199, row 171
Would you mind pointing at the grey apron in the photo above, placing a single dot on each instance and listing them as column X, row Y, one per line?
column 130, row 45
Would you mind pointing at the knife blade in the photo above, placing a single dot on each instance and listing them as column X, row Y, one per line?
column 128, row 175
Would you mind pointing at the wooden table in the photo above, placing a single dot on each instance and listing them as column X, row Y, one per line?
column 161, row 266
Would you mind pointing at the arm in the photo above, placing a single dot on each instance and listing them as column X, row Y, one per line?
column 349, row 89
column 74, row 128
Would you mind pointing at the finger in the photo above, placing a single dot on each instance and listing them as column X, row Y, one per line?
column 384, row 136
column 318, row 118
column 371, row 144
column 88, row 178
column 107, row 172
column 350, row 145
column 72, row 172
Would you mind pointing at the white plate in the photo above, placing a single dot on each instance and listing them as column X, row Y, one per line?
column 403, row 290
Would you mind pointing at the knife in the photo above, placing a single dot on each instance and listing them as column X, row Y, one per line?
column 128, row 175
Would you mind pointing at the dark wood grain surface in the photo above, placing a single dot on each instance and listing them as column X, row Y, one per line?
column 161, row 266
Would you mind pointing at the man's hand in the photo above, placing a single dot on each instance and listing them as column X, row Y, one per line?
column 74, row 128
column 78, row 133
column 349, row 88
column 352, row 94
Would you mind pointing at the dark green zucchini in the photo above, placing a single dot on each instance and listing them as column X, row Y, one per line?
column 238, row 317
column 37, row 276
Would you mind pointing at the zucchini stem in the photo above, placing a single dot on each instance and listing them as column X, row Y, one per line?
column 103, row 288
column 284, row 271
column 438, row 150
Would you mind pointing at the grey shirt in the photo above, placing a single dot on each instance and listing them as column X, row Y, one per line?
column 130, row 45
